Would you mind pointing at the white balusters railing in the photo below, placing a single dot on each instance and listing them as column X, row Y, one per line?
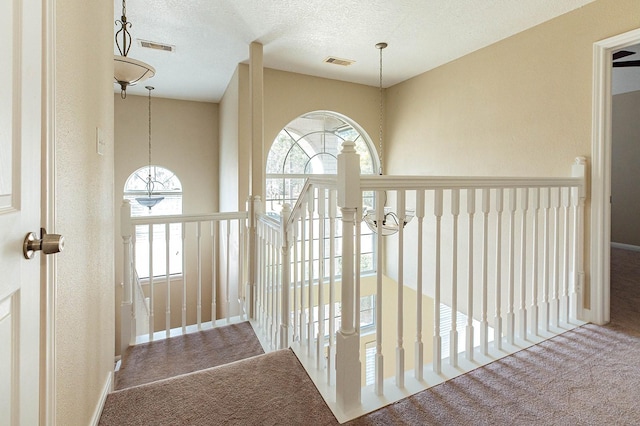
column 213, row 261
column 490, row 265
column 511, row 266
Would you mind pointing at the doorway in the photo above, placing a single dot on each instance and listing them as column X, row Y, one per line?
column 600, row 231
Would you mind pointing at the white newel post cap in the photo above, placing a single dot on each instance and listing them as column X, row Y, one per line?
column 349, row 176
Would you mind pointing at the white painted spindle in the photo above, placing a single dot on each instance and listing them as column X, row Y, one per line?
column 497, row 322
column 453, row 334
column 511, row 317
column 484, row 323
column 471, row 210
column 400, row 308
column 522, row 312
column 419, row 346
column 437, row 339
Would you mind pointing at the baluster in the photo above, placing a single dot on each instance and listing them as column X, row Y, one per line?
column 358, row 248
column 294, row 229
column 400, row 308
column 511, row 317
column 579, row 170
column 259, row 272
column 241, row 270
column 333, row 210
column 546, row 203
column 567, row 249
column 303, row 270
column 453, row 334
column 419, row 349
column 498, row 317
column 277, row 286
column 199, row 294
column 228, row 281
column 310, row 208
column 263, row 271
column 214, row 272
column 484, row 323
column 534, row 263
column 184, row 278
column 555, row 296
column 151, row 286
column 379, row 385
column 437, row 340
column 320, row 341
column 167, row 276
column 274, row 285
column 471, row 210
column 524, row 200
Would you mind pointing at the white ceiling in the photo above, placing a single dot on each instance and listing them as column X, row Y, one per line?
column 212, row 37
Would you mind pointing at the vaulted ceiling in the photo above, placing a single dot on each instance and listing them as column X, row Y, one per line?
column 212, row 37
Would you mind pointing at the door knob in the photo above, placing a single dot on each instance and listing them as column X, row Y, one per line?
column 48, row 243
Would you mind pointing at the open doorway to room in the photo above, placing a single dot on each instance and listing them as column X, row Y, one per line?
column 608, row 178
column 625, row 175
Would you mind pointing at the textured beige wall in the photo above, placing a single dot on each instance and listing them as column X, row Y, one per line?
column 625, row 169
column 84, row 321
column 521, row 106
column 289, row 95
column 185, row 141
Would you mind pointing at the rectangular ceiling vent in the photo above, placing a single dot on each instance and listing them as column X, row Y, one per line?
column 338, row 61
column 157, row 46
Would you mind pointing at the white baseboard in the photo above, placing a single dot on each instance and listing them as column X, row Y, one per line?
column 108, row 385
column 625, row 246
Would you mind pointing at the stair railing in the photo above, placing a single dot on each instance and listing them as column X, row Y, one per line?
column 503, row 255
column 217, row 265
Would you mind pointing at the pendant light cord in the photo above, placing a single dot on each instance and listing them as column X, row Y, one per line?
column 150, row 182
column 381, row 46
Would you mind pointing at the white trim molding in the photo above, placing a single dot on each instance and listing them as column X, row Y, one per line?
column 629, row 247
column 108, row 387
column 48, row 184
column 600, row 230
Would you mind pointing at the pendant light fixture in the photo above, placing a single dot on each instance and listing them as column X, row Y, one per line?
column 128, row 71
column 150, row 200
column 390, row 220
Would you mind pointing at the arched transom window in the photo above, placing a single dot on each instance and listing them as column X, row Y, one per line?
column 308, row 145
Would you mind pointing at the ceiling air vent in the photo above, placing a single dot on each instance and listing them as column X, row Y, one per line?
column 157, row 46
column 338, row 61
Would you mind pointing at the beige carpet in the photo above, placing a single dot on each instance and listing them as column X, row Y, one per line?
column 271, row 389
column 166, row 358
column 589, row 376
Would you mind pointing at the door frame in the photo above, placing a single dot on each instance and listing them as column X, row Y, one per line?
column 48, row 213
column 600, row 230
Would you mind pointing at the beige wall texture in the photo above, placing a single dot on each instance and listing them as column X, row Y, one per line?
column 228, row 175
column 520, row 107
column 625, row 169
column 84, row 321
column 185, row 141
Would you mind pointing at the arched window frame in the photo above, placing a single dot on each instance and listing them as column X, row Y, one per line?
column 283, row 186
column 167, row 184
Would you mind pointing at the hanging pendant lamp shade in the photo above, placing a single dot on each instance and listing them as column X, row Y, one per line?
column 391, row 223
column 150, row 199
column 128, row 71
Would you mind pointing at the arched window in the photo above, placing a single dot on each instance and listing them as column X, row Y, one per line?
column 166, row 184
column 309, row 145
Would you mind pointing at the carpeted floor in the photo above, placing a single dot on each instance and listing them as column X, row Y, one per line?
column 166, row 358
column 588, row 376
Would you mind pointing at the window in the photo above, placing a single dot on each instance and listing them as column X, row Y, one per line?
column 166, row 184
column 309, row 145
column 367, row 316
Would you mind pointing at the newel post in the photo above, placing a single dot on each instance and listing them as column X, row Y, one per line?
column 348, row 339
column 579, row 170
column 285, row 275
column 127, row 310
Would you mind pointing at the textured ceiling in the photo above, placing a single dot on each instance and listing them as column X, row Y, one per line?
column 212, row 37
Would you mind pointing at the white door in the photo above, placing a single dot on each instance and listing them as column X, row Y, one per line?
column 20, row 162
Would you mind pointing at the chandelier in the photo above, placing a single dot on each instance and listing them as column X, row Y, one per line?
column 390, row 221
column 150, row 199
column 128, row 71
